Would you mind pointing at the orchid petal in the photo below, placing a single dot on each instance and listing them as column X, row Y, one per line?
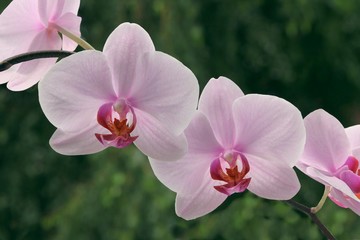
column 71, row 6
column 20, row 82
column 157, row 141
column 13, row 23
column 71, row 99
column 215, row 102
column 356, row 152
column 343, row 201
column 122, row 48
column 29, row 73
column 166, row 89
column 269, row 127
column 270, row 180
column 186, row 174
column 5, row 76
column 354, row 205
column 327, row 146
column 199, row 203
column 201, row 138
column 338, row 198
column 353, row 134
column 50, row 10
column 77, row 143
column 329, row 180
column 71, row 23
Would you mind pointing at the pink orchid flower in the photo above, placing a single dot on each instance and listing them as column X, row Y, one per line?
column 236, row 142
column 331, row 157
column 33, row 25
column 127, row 93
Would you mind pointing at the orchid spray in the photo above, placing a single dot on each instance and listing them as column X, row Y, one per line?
column 205, row 148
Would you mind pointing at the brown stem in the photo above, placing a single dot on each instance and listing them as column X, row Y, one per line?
column 313, row 217
column 8, row 63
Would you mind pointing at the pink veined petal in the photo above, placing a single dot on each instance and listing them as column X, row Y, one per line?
column 166, row 89
column 74, row 89
column 157, row 141
column 50, row 10
column 269, row 127
column 187, row 173
column 199, row 203
column 29, row 73
column 71, row 6
column 36, row 70
column 353, row 134
column 20, row 16
column 338, row 197
column 330, row 180
column 122, row 48
column 14, row 44
column 354, row 205
column 7, row 75
column 201, row 138
column 356, row 152
column 272, row 180
column 216, row 103
column 77, row 143
column 327, row 146
column 71, row 23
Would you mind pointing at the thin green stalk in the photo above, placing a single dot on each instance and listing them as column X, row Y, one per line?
column 82, row 43
column 322, row 200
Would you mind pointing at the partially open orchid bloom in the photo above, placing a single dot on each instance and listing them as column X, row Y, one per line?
column 236, row 142
column 331, row 156
column 34, row 25
column 127, row 93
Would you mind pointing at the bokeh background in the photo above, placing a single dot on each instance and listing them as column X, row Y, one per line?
column 306, row 51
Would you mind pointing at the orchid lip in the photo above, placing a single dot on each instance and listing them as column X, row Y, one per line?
column 120, row 128
column 350, row 174
column 235, row 181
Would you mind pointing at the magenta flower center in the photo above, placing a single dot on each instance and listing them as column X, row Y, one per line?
column 120, row 126
column 226, row 169
column 350, row 174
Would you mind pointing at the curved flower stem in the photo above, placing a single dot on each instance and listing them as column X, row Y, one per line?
column 322, row 200
column 82, row 43
column 313, row 217
column 8, row 63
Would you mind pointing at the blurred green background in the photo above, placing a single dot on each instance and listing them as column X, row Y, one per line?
column 306, row 51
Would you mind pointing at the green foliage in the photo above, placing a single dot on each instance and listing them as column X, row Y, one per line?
column 307, row 51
